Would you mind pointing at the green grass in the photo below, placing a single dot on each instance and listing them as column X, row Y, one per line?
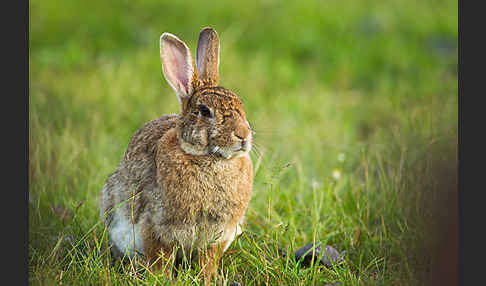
column 374, row 82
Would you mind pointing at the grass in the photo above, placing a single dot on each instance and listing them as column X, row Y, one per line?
column 366, row 89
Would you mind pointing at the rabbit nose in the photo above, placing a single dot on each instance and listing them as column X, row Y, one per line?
column 244, row 143
column 242, row 132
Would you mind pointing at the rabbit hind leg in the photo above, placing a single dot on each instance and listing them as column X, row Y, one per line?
column 159, row 256
column 209, row 260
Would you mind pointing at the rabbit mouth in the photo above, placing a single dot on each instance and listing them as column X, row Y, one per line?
column 229, row 153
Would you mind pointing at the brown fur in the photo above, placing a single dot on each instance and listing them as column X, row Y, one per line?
column 207, row 57
column 186, row 180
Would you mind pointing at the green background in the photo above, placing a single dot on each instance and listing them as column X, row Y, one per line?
column 354, row 104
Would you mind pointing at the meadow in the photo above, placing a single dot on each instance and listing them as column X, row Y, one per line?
column 354, row 105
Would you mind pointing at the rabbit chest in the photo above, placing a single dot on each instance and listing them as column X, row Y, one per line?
column 202, row 197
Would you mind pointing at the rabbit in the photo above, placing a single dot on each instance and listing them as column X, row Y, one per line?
column 185, row 180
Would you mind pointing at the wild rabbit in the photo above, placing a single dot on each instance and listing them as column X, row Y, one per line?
column 185, row 179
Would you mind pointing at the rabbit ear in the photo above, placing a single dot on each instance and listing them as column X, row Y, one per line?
column 177, row 65
column 207, row 57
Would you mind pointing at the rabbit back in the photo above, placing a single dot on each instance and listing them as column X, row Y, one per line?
column 135, row 173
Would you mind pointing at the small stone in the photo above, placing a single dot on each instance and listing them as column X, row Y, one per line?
column 328, row 257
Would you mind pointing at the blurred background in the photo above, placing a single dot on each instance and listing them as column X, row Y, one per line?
column 354, row 104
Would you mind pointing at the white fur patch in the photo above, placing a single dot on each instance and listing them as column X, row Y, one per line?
column 126, row 236
column 240, row 154
column 232, row 237
column 191, row 150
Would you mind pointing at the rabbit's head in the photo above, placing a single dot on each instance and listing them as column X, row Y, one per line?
column 212, row 119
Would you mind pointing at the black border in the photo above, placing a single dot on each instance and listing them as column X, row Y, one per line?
column 471, row 143
column 460, row 198
column 22, row 68
column 25, row 98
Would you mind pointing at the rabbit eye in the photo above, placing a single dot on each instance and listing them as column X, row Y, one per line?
column 204, row 111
